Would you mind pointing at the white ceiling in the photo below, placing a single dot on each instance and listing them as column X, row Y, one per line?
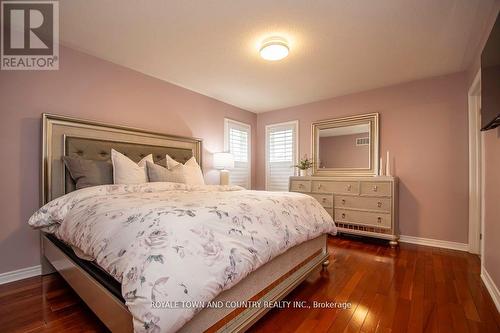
column 336, row 46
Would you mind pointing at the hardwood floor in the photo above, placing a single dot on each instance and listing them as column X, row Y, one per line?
column 409, row 289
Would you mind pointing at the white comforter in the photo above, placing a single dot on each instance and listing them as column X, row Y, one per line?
column 174, row 242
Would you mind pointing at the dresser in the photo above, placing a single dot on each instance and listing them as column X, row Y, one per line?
column 366, row 206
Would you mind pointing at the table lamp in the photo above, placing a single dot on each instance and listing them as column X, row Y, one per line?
column 223, row 162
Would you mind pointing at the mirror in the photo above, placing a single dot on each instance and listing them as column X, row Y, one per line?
column 346, row 146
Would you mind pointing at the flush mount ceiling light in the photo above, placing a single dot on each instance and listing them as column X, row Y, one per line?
column 274, row 48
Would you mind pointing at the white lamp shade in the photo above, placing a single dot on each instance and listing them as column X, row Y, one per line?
column 223, row 161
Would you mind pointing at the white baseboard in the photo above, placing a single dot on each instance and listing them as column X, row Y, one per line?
column 434, row 242
column 20, row 274
column 492, row 287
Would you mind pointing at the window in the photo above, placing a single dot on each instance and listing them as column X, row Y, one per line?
column 237, row 138
column 281, row 154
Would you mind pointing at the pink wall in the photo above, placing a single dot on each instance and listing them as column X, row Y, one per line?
column 89, row 88
column 424, row 126
column 341, row 152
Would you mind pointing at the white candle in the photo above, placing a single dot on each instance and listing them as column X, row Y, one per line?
column 388, row 165
column 381, row 168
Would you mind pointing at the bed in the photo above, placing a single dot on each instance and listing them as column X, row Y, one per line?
column 270, row 281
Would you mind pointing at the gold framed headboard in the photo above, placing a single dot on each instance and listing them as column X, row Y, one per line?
column 66, row 136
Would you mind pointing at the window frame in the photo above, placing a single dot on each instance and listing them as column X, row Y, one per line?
column 294, row 123
column 227, row 122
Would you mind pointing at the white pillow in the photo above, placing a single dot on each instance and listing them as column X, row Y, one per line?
column 157, row 173
column 191, row 169
column 126, row 171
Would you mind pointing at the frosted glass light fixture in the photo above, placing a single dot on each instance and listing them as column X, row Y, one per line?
column 274, row 48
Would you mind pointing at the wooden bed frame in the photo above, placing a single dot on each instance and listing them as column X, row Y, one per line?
column 110, row 309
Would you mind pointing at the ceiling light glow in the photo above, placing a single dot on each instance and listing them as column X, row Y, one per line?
column 274, row 48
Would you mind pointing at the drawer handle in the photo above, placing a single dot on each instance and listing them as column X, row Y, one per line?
column 324, row 200
column 379, row 219
column 349, row 187
column 343, row 215
column 343, row 201
column 320, row 186
column 379, row 204
column 301, row 185
column 375, row 188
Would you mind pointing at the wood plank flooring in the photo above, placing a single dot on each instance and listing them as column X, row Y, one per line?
column 409, row 289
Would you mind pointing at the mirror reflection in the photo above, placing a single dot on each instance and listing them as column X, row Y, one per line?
column 344, row 147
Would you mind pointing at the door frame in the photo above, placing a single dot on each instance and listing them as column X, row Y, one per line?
column 475, row 166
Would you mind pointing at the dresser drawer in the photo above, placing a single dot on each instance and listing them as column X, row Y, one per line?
column 381, row 220
column 382, row 189
column 341, row 187
column 378, row 204
column 300, row 186
column 326, row 200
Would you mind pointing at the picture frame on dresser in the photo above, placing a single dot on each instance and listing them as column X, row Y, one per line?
column 359, row 200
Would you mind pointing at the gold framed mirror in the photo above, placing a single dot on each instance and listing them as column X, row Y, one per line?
column 347, row 146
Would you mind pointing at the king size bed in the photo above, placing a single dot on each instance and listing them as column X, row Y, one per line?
column 149, row 257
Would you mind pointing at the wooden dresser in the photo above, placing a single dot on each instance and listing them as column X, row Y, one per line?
column 365, row 206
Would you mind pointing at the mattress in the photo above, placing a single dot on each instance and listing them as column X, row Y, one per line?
column 91, row 268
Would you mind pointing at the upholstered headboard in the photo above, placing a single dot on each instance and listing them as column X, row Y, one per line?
column 91, row 149
column 63, row 136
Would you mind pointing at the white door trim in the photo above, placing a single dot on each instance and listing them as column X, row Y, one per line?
column 475, row 165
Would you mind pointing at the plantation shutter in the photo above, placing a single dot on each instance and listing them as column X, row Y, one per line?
column 237, row 142
column 281, row 151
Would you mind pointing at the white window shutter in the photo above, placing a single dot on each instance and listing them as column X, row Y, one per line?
column 281, row 154
column 237, row 142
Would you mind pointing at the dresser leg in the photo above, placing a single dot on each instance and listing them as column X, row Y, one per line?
column 393, row 243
